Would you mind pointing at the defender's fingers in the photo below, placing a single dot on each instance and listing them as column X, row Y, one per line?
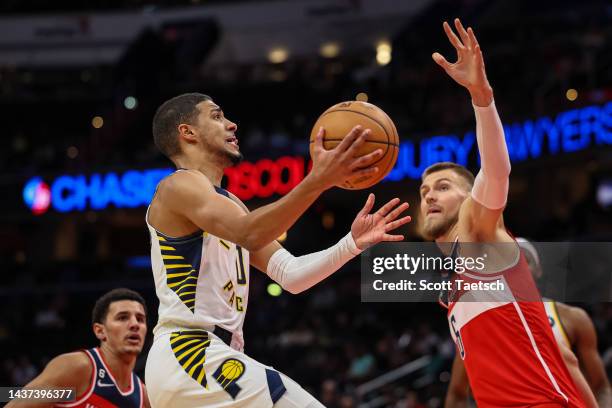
column 397, row 223
column 440, row 60
column 369, row 204
column 452, row 37
column 386, row 209
column 392, row 238
column 472, row 37
column 396, row 212
column 463, row 34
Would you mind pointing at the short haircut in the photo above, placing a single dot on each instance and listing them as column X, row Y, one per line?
column 457, row 168
column 102, row 305
column 173, row 112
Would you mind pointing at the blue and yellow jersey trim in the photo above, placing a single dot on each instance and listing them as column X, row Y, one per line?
column 189, row 348
column 559, row 324
column 181, row 258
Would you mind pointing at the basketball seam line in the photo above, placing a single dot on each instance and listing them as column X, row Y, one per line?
column 367, row 141
column 371, row 118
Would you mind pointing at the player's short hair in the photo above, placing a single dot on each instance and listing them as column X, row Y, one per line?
column 173, row 112
column 457, row 168
column 102, row 305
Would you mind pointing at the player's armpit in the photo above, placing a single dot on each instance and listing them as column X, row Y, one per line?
column 71, row 370
column 588, row 356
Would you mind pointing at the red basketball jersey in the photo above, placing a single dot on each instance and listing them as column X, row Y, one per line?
column 506, row 343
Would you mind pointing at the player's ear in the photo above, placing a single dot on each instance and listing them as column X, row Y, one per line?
column 186, row 133
column 99, row 331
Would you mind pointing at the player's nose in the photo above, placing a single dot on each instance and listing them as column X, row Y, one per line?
column 231, row 126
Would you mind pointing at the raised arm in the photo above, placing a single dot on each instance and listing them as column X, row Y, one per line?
column 296, row 274
column 191, row 196
column 490, row 191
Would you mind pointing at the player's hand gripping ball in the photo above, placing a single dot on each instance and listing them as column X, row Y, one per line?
column 338, row 122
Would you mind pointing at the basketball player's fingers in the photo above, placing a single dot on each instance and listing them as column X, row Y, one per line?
column 318, row 142
column 472, row 37
column 364, row 161
column 396, row 212
column 397, row 223
column 440, row 60
column 369, row 204
column 463, row 34
column 350, row 138
column 361, row 139
column 365, row 172
column 452, row 37
column 389, row 237
column 386, row 209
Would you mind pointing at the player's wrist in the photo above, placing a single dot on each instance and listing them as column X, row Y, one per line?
column 482, row 96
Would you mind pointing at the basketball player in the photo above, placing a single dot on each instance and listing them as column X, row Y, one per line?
column 203, row 239
column 573, row 330
column 505, row 342
column 102, row 377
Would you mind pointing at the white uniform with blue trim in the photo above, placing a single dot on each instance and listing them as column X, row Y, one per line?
column 202, row 281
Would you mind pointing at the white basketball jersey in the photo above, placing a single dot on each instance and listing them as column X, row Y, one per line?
column 201, row 281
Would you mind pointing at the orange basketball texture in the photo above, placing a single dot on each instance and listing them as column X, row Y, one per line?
column 338, row 122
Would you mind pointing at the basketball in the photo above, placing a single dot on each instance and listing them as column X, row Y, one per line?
column 338, row 122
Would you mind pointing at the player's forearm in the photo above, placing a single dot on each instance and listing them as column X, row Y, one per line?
column 604, row 397
column 267, row 223
column 297, row 274
column 453, row 401
column 492, row 182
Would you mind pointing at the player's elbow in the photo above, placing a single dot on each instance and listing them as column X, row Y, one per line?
column 252, row 242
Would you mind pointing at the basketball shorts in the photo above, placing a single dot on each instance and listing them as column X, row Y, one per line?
column 194, row 368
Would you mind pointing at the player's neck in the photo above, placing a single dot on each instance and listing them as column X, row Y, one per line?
column 210, row 168
column 121, row 365
column 449, row 236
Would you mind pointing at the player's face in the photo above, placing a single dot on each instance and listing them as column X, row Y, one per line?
column 217, row 133
column 125, row 327
column 442, row 193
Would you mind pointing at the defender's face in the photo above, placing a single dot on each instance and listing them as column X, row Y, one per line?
column 125, row 327
column 441, row 194
column 217, row 133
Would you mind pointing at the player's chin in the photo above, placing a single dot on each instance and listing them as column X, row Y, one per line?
column 133, row 348
column 235, row 156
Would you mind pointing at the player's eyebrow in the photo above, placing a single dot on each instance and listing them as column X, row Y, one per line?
column 443, row 179
column 216, row 109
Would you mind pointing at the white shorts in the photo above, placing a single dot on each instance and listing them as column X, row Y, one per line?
column 194, row 368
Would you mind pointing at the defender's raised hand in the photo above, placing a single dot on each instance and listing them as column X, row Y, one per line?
column 370, row 229
column 468, row 70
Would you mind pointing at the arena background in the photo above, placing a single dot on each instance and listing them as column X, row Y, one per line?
column 80, row 80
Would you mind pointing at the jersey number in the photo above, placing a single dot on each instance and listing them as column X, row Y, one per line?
column 458, row 337
column 240, row 267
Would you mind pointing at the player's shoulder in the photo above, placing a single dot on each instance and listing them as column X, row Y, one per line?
column 573, row 314
column 237, row 201
column 69, row 368
column 184, row 183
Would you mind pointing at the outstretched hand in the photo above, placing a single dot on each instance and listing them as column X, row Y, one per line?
column 468, row 70
column 370, row 229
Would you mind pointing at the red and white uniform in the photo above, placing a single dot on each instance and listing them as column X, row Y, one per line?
column 507, row 345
